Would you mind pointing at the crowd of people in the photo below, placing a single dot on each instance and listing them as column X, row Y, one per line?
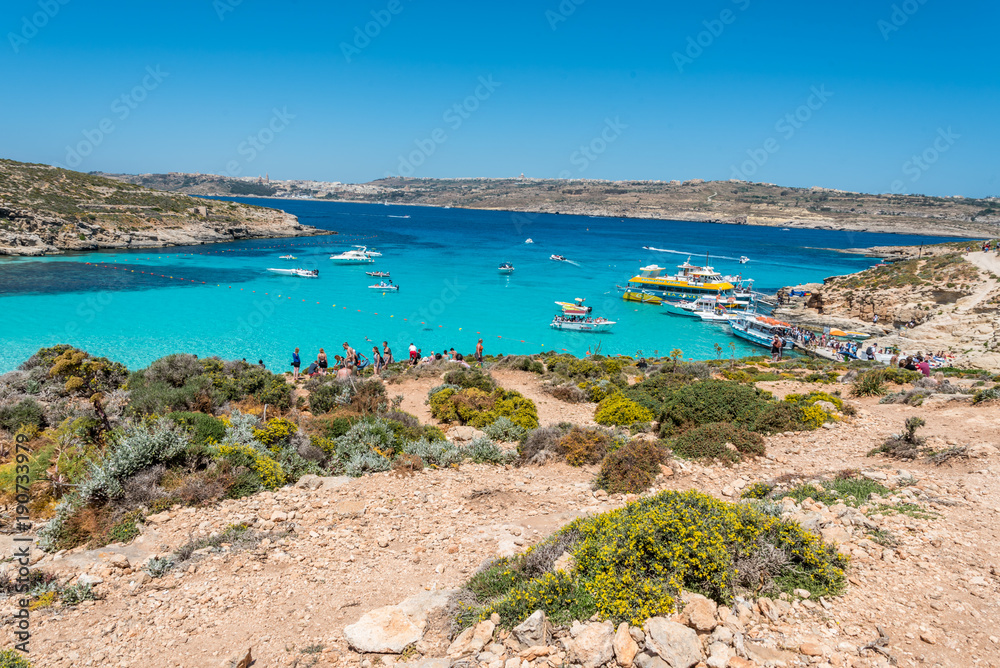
column 352, row 362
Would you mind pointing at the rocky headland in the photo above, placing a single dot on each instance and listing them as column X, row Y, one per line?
column 45, row 210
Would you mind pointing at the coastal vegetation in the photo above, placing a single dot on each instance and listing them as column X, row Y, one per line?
column 631, row 564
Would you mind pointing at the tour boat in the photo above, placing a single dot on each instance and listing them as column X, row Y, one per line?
column 760, row 330
column 506, row 268
column 557, row 258
column 707, row 309
column 302, row 273
column 378, row 274
column 359, row 255
column 288, row 257
column 385, row 287
column 689, row 283
column 575, row 307
column 576, row 323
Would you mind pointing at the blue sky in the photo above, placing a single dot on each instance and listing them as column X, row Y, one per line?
column 873, row 96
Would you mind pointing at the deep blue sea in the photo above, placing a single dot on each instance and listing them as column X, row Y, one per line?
column 137, row 306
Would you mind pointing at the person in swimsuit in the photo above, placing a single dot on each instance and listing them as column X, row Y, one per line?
column 387, row 354
column 321, row 358
column 377, row 360
column 296, row 363
column 479, row 352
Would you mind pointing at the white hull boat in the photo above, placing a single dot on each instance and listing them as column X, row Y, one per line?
column 384, row 287
column 580, row 324
column 301, row 273
column 760, row 330
column 359, row 255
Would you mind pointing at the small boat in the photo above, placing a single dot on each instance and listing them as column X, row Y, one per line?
column 288, row 257
column 760, row 330
column 528, row 241
column 384, row 287
column 378, row 274
column 744, row 259
column 301, row 273
column 506, row 268
column 359, row 255
column 373, row 253
column 558, row 258
column 574, row 308
column 641, row 296
column 576, row 323
column 707, row 309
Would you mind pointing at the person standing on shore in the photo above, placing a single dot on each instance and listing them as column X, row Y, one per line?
column 350, row 356
column 377, row 360
column 414, row 354
column 296, row 363
column 479, row 353
column 775, row 347
column 387, row 354
column 321, row 359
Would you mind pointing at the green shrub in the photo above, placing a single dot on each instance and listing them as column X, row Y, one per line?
column 632, row 468
column 26, row 412
column 480, row 409
column 619, row 410
column 982, row 396
column 758, row 490
column 471, row 377
column 900, row 376
column 869, row 384
column 10, row 658
column 585, row 446
column 777, row 417
column 485, row 451
column 709, row 401
column 906, row 445
column 205, row 429
column 631, row 564
column 709, row 441
column 503, row 429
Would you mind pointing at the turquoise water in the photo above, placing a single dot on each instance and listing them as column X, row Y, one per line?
column 445, row 261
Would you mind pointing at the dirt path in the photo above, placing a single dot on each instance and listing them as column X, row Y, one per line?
column 551, row 411
column 989, row 263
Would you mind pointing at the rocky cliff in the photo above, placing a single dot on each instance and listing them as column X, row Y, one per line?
column 47, row 210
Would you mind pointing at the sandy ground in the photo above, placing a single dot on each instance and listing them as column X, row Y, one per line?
column 363, row 543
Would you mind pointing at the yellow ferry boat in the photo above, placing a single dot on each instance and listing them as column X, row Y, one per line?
column 652, row 285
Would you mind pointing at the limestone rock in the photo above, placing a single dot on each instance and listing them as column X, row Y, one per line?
column 472, row 640
column 385, row 630
column 565, row 562
column 625, row 646
column 533, row 630
column 420, row 605
column 463, row 434
column 700, row 613
column 675, row 643
column 593, row 645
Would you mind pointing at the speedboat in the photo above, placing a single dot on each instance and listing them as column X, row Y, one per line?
column 373, row 253
column 528, row 241
column 301, row 273
column 359, row 255
column 744, row 259
column 557, row 258
column 574, row 308
column 576, row 323
column 288, row 257
column 506, row 268
column 384, row 287
column 378, row 274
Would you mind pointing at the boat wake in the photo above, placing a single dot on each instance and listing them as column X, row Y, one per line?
column 667, row 250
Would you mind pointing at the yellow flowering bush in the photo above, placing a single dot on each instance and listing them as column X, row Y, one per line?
column 275, row 431
column 632, row 563
column 618, row 410
column 267, row 469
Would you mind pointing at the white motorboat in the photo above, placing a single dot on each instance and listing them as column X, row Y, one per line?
column 760, row 330
column 385, row 287
column 506, row 268
column 558, row 258
column 744, row 259
column 301, row 273
column 288, row 257
column 378, row 274
column 528, row 241
column 372, row 253
column 575, row 307
column 359, row 255
column 574, row 323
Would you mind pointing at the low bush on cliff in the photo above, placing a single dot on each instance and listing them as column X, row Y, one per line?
column 631, row 564
column 632, row 468
column 480, row 409
column 721, row 441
